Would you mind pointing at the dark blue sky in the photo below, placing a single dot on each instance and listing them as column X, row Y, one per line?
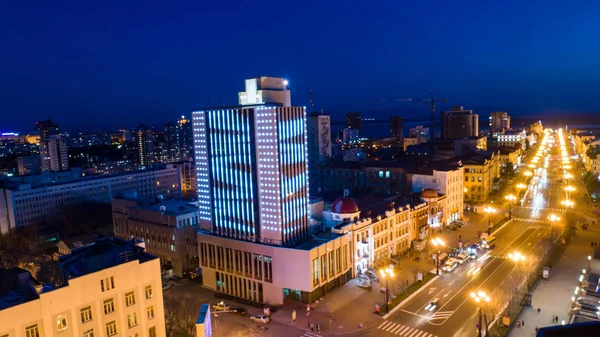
column 102, row 63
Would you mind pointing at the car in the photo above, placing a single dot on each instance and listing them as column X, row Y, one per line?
column 239, row 311
column 260, row 319
column 462, row 257
column 431, row 306
column 221, row 306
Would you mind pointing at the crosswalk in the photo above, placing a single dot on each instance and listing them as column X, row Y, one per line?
column 552, row 209
column 403, row 330
column 310, row 334
column 540, row 221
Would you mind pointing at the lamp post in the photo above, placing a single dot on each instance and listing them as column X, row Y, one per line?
column 480, row 298
column 386, row 274
column 589, row 262
column 511, row 198
column 438, row 243
column 489, row 210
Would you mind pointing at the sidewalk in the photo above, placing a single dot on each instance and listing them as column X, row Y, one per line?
column 553, row 296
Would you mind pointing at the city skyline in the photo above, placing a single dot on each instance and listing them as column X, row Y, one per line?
column 150, row 63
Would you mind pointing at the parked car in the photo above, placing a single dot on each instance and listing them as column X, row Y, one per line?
column 239, row 311
column 221, row 306
column 260, row 319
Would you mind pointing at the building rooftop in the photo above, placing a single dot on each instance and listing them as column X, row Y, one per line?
column 473, row 158
column 577, row 329
column 16, row 287
column 102, row 254
column 172, row 207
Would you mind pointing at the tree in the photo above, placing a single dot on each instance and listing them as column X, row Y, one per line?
column 527, row 144
column 170, row 319
column 188, row 315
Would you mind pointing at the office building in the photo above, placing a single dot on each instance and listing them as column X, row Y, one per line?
column 265, row 90
column 353, row 121
column 255, row 241
column 167, row 227
column 499, row 122
column 109, row 288
column 47, row 128
column 350, row 136
column 186, row 138
column 459, row 123
column 53, row 154
column 396, row 127
column 28, row 164
column 37, row 200
column 143, row 145
column 512, row 139
column 481, row 169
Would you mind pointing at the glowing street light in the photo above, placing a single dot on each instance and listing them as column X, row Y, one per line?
column 489, row 210
column 528, row 173
column 521, row 186
column 511, row 198
column 480, row 297
column 568, row 203
column 569, row 188
column 438, row 243
column 553, row 218
column 387, row 274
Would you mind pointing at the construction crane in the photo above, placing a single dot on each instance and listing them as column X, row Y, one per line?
column 431, row 100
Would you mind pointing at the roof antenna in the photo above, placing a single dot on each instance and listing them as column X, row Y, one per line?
column 312, row 106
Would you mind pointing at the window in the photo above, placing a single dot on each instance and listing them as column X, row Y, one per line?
column 109, row 306
column 132, row 320
column 61, row 323
column 152, row 332
column 129, row 299
column 149, row 294
column 111, row 328
column 88, row 333
column 107, row 284
column 86, row 314
column 150, row 312
column 32, row 331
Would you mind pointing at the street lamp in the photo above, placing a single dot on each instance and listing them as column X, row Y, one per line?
column 480, row 297
column 568, row 203
column 589, row 262
column 386, row 274
column 489, row 210
column 511, row 198
column 438, row 243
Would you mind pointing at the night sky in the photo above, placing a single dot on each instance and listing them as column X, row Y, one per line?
column 105, row 63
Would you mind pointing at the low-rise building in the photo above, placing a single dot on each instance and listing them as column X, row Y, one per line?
column 511, row 138
column 167, row 227
column 509, row 156
column 481, row 169
column 109, row 288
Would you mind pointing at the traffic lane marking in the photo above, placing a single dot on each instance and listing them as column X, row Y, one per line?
column 483, row 282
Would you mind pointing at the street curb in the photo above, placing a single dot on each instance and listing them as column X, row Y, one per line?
column 410, row 297
column 497, row 230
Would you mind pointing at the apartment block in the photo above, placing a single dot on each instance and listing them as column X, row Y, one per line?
column 109, row 288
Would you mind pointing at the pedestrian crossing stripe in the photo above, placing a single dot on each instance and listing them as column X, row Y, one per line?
column 309, row 334
column 554, row 209
column 543, row 221
column 403, row 330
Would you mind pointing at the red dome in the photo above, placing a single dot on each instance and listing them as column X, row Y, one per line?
column 344, row 206
column 429, row 193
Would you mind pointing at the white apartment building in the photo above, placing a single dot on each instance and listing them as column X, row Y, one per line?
column 512, row 138
column 168, row 229
column 447, row 181
column 25, row 204
column 111, row 288
column 319, row 138
column 53, row 154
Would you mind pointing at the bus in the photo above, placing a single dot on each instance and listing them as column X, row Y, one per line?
column 489, row 242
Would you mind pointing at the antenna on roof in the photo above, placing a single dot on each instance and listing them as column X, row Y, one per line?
column 312, row 106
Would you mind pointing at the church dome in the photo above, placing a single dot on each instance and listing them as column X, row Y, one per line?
column 429, row 193
column 344, row 206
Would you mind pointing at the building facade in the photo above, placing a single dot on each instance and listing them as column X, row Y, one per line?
column 481, row 170
column 168, row 229
column 31, row 204
column 53, row 154
column 397, row 127
column 28, row 164
column 265, row 90
column 512, row 138
column 353, row 121
column 499, row 122
column 319, row 138
column 111, row 288
column 446, row 181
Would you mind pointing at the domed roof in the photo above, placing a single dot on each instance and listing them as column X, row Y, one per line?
column 344, row 206
column 429, row 193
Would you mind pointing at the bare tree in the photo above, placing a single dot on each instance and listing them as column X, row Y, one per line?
column 188, row 315
column 170, row 318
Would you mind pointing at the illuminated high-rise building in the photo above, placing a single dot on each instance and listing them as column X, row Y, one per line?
column 53, row 154
column 499, row 122
column 252, row 172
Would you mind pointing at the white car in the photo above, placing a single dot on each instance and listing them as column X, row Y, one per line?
column 433, row 304
column 221, row 306
column 260, row 319
column 450, row 265
column 462, row 257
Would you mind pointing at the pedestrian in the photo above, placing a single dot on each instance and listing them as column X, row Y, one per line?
column 360, row 325
column 539, row 309
column 319, row 328
column 522, row 323
column 553, row 318
column 312, row 327
column 518, row 323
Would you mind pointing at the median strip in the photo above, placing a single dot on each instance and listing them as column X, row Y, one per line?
column 411, row 291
